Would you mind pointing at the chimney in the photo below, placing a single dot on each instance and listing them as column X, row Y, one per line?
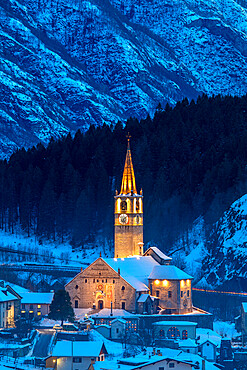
column 118, row 271
column 111, row 310
column 100, row 254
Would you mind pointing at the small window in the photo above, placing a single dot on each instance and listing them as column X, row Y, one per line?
column 123, row 288
column 161, row 368
column 31, row 306
column 123, row 305
column 99, row 273
column 157, row 293
column 23, row 306
column 169, row 293
column 162, row 333
column 77, row 360
column 76, row 303
column 117, row 330
column 124, row 205
column 39, row 305
column 103, row 281
column 188, row 293
column 93, row 280
column 137, row 206
column 97, row 280
column 85, row 280
column 184, row 334
column 76, row 287
column 113, row 282
column 106, row 280
column 182, row 293
column 171, row 365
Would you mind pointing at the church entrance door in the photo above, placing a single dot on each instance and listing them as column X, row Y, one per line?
column 100, row 304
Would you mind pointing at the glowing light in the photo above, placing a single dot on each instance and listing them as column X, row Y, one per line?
column 54, row 360
column 39, row 305
column 156, row 282
column 23, row 311
column 39, row 313
column 115, row 259
column 30, row 311
column 165, row 282
column 122, row 259
column 188, row 281
column 182, row 283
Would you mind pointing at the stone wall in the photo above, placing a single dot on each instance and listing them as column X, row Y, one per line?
column 100, row 284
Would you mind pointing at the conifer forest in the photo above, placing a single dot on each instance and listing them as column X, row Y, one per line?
column 190, row 160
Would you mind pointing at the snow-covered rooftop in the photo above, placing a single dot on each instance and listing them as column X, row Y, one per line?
column 120, row 320
column 106, row 312
column 244, row 305
column 144, row 297
column 36, row 298
column 135, row 270
column 66, row 348
column 168, row 272
column 187, row 343
column 161, row 254
column 5, row 296
column 175, row 323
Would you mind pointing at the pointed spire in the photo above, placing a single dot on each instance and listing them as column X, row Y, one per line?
column 128, row 180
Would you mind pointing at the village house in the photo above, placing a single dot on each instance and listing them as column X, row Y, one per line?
column 75, row 355
column 35, row 305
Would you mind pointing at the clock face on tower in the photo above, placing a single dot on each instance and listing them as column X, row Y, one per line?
column 123, row 219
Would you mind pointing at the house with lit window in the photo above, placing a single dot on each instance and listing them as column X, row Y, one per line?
column 134, row 280
column 174, row 330
column 67, row 355
column 9, row 308
column 35, row 305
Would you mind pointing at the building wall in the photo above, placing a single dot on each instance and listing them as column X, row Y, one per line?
column 65, row 363
column 169, row 294
column 191, row 330
column 7, row 314
column 34, row 310
column 208, row 351
column 100, row 283
column 117, row 330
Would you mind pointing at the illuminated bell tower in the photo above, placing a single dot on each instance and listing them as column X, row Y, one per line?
column 128, row 214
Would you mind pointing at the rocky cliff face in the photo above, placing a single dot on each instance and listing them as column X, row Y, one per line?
column 66, row 64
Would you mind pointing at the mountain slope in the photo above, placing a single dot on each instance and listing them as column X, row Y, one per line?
column 67, row 64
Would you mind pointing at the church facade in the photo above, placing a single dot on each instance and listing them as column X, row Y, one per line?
column 134, row 281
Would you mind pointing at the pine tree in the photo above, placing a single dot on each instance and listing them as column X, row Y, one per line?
column 61, row 307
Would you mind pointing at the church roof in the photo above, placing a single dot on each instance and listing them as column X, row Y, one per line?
column 128, row 180
column 135, row 270
column 168, row 272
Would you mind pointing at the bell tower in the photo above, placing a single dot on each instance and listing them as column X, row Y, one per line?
column 128, row 213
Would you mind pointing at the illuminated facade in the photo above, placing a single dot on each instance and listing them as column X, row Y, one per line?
column 128, row 214
column 134, row 281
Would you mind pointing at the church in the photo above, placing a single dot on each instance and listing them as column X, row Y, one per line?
column 136, row 281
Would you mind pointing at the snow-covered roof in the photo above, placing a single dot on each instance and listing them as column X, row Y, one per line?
column 5, row 296
column 160, row 254
column 168, row 272
column 143, row 298
column 208, row 341
column 244, row 305
column 103, row 325
column 207, row 334
column 37, row 298
column 106, row 313
column 175, row 323
column 17, row 288
column 135, row 270
column 187, row 343
column 120, row 320
column 66, row 348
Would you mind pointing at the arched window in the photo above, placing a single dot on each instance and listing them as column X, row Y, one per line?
column 184, row 334
column 162, row 333
column 76, row 287
column 123, row 288
column 173, row 333
column 123, row 205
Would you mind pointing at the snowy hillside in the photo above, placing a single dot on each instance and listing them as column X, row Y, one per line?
column 216, row 258
column 67, row 64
